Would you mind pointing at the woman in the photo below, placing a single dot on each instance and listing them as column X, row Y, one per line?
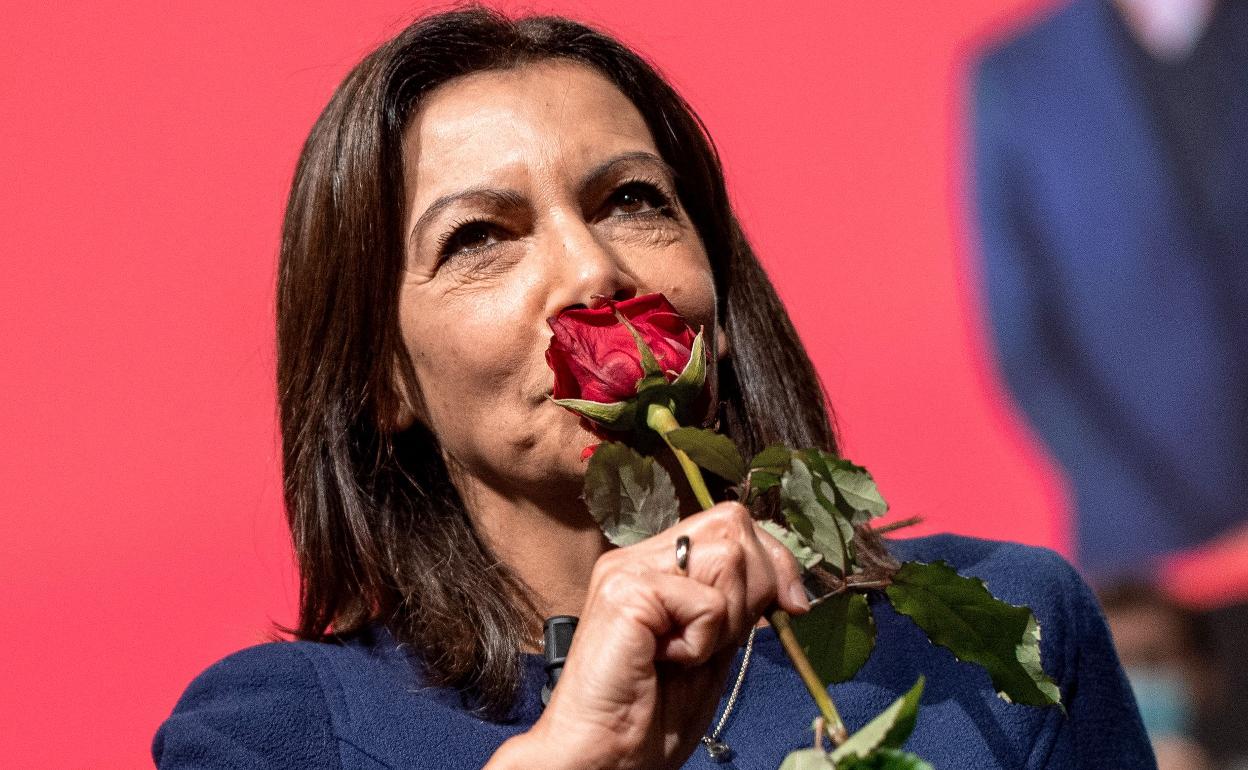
column 470, row 179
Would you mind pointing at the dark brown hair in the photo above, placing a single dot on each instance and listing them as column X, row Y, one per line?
column 379, row 531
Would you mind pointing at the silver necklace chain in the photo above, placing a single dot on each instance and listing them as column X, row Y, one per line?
column 718, row 750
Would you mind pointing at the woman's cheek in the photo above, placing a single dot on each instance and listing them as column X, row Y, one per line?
column 695, row 300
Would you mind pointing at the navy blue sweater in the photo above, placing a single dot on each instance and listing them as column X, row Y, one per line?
column 362, row 704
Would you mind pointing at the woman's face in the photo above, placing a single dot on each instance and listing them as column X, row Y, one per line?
column 529, row 191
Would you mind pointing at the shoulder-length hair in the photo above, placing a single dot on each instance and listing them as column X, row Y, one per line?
column 380, row 533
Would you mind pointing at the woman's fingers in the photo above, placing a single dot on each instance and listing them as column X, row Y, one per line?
column 727, row 550
column 771, row 572
column 791, row 593
column 700, row 615
column 734, row 571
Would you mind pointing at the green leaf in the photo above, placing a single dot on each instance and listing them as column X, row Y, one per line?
column 630, row 496
column 710, row 450
column 808, row 506
column 768, row 466
column 837, row 636
column 805, row 555
column 888, row 730
column 774, row 458
column 885, row 759
column 856, row 497
column 807, row 759
column 959, row 613
column 856, row 486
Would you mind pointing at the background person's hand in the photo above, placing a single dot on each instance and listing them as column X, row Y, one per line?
column 653, row 648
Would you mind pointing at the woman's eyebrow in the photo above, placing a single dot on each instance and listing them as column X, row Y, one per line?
column 490, row 196
column 599, row 173
column 485, row 196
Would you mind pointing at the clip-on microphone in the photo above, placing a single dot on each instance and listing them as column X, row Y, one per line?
column 557, row 635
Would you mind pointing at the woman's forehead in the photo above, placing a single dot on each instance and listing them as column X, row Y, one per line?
column 551, row 117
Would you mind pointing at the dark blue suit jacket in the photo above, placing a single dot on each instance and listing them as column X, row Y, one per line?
column 1114, row 288
column 364, row 705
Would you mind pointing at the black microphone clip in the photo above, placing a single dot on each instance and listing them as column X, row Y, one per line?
column 557, row 636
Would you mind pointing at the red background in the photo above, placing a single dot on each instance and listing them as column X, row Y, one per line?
column 147, row 154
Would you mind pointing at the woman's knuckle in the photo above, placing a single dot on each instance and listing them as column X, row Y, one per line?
column 736, row 512
column 733, row 520
column 722, row 557
column 734, row 552
column 783, row 562
column 602, row 567
column 617, row 586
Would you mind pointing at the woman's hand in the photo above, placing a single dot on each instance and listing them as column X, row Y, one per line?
column 653, row 648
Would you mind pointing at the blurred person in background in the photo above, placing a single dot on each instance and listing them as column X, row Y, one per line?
column 1165, row 649
column 1110, row 157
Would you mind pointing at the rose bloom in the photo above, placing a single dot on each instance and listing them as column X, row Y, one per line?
column 595, row 358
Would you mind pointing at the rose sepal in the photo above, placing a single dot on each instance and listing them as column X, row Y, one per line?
column 649, row 363
column 688, row 384
column 680, row 392
column 616, row 416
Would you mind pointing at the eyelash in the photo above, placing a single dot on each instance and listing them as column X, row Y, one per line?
column 660, row 202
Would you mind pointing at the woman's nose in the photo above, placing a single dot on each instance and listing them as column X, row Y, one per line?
column 587, row 272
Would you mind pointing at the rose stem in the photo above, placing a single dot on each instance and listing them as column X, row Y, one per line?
column 779, row 620
column 661, row 419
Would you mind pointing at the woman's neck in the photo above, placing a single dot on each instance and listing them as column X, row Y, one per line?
column 550, row 543
column 552, row 551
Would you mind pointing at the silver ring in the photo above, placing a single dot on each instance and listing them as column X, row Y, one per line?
column 682, row 554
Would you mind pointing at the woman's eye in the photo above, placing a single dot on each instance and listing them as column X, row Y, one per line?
column 467, row 237
column 639, row 199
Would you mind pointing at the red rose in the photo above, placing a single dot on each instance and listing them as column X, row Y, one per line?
column 595, row 357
